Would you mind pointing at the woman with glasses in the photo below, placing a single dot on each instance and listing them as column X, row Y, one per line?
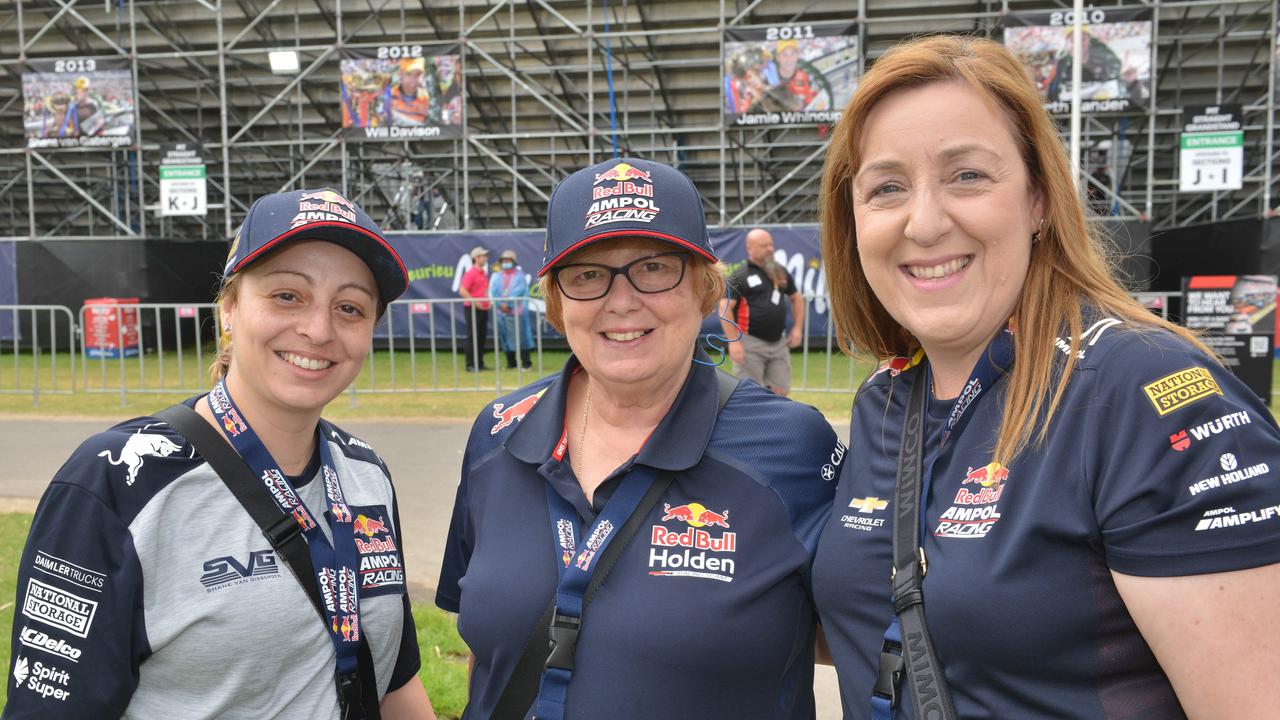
column 632, row 537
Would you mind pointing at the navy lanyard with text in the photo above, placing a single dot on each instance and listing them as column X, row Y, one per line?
column 576, row 564
column 336, row 566
column 993, row 363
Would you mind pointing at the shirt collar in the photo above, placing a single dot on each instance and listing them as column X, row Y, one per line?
column 678, row 442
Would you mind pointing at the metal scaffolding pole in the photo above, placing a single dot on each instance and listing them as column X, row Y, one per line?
column 550, row 130
column 1148, row 207
column 1271, row 113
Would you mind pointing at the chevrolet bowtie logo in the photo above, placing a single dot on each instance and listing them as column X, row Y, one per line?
column 869, row 504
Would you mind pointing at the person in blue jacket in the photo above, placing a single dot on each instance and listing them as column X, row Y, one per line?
column 146, row 590
column 1100, row 511
column 509, row 288
column 707, row 608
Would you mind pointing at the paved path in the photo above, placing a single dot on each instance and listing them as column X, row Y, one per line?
column 425, row 459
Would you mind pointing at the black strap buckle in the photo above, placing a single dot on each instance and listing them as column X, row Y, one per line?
column 349, row 693
column 564, row 640
column 282, row 531
column 892, row 665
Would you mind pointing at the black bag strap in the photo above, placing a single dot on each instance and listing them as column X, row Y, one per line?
column 358, row 695
column 930, row 696
column 522, row 688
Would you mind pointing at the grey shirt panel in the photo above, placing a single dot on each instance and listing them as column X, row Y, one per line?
column 148, row 591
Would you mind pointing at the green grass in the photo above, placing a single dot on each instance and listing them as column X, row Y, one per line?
column 390, row 385
column 444, row 655
column 444, row 660
column 13, row 536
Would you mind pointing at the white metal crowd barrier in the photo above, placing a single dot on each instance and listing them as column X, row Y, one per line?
column 420, row 346
column 147, row 348
column 35, row 336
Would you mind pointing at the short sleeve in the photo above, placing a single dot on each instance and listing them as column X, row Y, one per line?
column 78, row 636
column 409, row 659
column 1184, row 460
column 734, row 286
column 457, row 547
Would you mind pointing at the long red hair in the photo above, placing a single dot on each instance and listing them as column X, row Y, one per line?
column 1069, row 265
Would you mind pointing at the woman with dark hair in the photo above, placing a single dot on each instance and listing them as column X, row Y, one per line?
column 147, row 586
column 1097, row 526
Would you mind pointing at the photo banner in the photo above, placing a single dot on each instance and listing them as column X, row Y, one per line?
column 78, row 102
column 436, row 264
column 1115, row 71
column 789, row 74
column 401, row 92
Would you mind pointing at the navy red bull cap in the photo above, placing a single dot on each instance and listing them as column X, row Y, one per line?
column 624, row 197
column 317, row 215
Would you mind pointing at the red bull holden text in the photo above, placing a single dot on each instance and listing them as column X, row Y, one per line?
column 689, row 552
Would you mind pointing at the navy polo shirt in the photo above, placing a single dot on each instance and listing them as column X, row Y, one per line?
column 1159, row 462
column 709, row 614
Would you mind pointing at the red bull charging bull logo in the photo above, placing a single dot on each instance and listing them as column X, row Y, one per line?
column 368, row 527
column 692, row 551
column 696, row 514
column 627, row 195
column 233, row 423
column 898, row 365
column 348, row 625
column 323, row 206
column 509, row 415
column 305, row 521
column 621, row 173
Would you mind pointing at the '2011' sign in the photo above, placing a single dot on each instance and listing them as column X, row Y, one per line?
column 789, row 32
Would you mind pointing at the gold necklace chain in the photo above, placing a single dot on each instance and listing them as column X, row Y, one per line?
column 582, row 434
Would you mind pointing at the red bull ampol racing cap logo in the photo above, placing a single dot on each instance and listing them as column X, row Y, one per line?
column 323, row 205
column 323, row 214
column 625, row 197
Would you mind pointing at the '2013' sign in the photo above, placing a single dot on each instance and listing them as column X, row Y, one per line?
column 75, row 65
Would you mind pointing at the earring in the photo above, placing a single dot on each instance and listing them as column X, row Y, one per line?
column 1035, row 236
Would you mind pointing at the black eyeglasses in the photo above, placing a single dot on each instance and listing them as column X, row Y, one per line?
column 650, row 274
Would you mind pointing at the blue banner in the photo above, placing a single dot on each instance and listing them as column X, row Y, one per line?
column 436, row 263
column 8, row 286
